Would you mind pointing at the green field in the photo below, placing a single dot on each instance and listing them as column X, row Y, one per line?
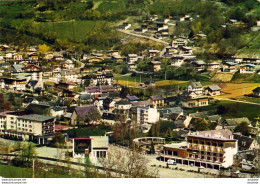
column 250, row 99
column 18, row 172
column 239, row 78
column 66, row 30
column 116, row 5
column 236, row 109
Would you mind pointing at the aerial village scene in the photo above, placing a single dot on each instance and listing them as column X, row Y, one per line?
column 129, row 88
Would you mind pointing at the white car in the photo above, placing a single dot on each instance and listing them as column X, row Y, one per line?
column 171, row 162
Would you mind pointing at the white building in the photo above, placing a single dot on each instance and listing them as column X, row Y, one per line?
column 195, row 87
column 147, row 116
column 26, row 126
column 209, row 149
column 132, row 58
column 94, row 148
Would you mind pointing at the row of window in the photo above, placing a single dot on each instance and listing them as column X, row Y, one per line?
column 25, row 125
column 101, row 154
column 25, row 129
column 206, row 143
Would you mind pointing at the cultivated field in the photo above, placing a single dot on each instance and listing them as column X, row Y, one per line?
column 135, row 81
column 236, row 90
column 66, row 30
column 169, row 83
column 222, row 77
column 128, row 83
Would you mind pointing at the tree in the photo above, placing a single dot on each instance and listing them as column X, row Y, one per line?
column 26, row 154
column 168, row 134
column 124, row 69
column 222, row 109
column 92, row 116
column 12, row 99
column 243, row 128
column 154, row 130
column 124, row 92
column 127, row 164
column 152, row 150
column 58, row 139
column 200, row 125
column 43, row 49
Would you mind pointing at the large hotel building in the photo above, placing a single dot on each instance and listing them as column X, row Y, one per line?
column 210, row 149
column 22, row 125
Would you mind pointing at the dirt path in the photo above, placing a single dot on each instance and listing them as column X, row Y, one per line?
column 144, row 37
column 217, row 98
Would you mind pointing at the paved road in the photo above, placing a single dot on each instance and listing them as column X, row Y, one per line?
column 141, row 36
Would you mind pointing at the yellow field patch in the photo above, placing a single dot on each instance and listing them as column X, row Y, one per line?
column 236, row 90
column 96, row 4
column 168, row 82
column 128, row 83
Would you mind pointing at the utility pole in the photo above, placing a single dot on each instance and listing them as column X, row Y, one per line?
column 33, row 168
column 165, row 75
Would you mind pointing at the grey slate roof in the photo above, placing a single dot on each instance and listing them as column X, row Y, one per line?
column 132, row 98
column 199, row 62
column 142, row 103
column 18, row 67
column 176, row 110
column 256, row 90
column 82, row 111
column 214, row 134
column 243, row 141
column 236, row 121
column 123, row 102
column 36, row 117
column 214, row 88
column 214, row 118
column 85, row 97
column 196, row 85
column 157, row 97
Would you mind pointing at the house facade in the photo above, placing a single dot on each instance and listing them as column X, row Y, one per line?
column 197, row 102
column 157, row 100
column 195, row 87
column 213, row 90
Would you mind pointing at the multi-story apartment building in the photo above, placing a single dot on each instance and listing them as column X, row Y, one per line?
column 103, row 79
column 18, row 84
column 26, row 126
column 210, row 149
column 147, row 116
column 122, row 109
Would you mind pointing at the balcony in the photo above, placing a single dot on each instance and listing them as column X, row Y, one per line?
column 221, row 150
column 190, row 146
column 201, row 148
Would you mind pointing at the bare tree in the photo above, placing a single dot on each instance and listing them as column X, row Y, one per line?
column 127, row 164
